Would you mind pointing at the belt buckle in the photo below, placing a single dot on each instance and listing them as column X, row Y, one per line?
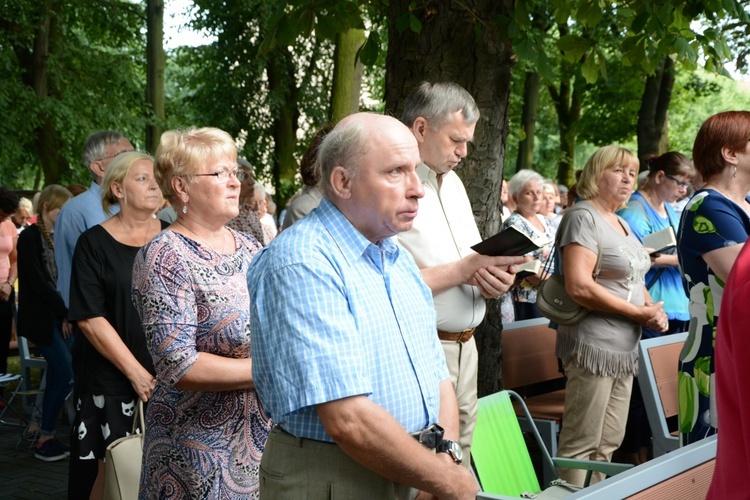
column 431, row 436
column 464, row 332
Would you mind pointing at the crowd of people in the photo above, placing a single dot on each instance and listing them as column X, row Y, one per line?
column 332, row 348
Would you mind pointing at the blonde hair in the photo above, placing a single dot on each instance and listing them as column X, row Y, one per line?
column 54, row 195
column 604, row 158
column 182, row 152
column 116, row 173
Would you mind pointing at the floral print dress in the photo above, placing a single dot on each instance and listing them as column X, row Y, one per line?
column 198, row 444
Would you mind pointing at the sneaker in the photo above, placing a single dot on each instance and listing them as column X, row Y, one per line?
column 49, row 451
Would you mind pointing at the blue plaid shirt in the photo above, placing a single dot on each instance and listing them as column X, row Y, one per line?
column 334, row 316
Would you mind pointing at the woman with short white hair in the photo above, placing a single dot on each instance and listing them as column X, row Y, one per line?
column 526, row 190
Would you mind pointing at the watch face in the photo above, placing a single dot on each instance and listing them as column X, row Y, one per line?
column 453, row 449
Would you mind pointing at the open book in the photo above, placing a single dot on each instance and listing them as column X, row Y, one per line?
column 529, row 268
column 509, row 241
column 660, row 240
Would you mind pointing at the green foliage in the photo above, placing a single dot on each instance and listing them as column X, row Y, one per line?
column 95, row 77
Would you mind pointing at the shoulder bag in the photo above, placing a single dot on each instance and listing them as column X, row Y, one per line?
column 122, row 477
column 552, row 299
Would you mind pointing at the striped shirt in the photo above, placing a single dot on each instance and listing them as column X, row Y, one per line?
column 334, row 315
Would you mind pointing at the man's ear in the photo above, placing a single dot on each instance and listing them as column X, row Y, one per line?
column 341, row 182
column 97, row 169
column 419, row 127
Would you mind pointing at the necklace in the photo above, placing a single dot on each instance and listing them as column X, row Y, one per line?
column 131, row 233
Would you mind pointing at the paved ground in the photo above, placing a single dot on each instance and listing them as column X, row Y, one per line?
column 24, row 477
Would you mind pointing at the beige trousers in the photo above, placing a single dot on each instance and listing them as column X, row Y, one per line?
column 596, row 411
column 463, row 363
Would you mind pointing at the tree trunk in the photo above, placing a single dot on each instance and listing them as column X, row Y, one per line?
column 46, row 136
column 155, row 62
column 347, row 74
column 281, row 85
column 652, row 117
column 568, row 101
column 528, row 120
column 457, row 43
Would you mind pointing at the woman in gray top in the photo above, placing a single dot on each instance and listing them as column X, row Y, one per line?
column 600, row 354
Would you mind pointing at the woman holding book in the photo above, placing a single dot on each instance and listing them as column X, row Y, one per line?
column 714, row 226
column 649, row 211
column 526, row 191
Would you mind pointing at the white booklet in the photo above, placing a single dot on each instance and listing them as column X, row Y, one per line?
column 660, row 240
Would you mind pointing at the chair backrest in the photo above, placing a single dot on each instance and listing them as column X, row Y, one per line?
column 665, row 361
column 499, row 450
column 529, row 353
column 658, row 368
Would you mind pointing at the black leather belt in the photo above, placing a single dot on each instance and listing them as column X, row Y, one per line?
column 429, row 437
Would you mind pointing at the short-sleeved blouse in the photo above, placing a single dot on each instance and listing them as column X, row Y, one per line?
column 100, row 287
column 198, row 444
column 526, row 292
column 709, row 221
column 605, row 344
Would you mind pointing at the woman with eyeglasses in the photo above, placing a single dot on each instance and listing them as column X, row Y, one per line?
column 713, row 229
column 205, row 428
column 650, row 210
column 112, row 367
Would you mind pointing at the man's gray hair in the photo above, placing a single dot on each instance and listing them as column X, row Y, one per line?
column 436, row 102
column 521, row 179
column 94, row 148
column 344, row 146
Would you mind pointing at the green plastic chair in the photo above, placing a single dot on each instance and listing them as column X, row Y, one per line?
column 501, row 459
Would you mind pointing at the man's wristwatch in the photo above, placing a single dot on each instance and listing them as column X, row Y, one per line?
column 452, row 448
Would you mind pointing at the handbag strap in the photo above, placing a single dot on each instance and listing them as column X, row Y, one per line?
column 556, row 247
column 139, row 417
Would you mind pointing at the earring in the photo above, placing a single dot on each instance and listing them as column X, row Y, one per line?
column 184, row 209
column 735, row 172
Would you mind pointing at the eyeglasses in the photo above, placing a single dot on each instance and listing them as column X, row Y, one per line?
column 682, row 184
column 115, row 155
column 224, row 173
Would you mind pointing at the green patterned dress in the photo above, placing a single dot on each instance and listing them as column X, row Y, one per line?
column 709, row 221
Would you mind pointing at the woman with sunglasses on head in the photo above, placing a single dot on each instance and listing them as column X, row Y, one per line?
column 650, row 210
column 111, row 365
column 205, row 429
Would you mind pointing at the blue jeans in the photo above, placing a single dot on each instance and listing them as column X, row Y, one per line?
column 59, row 377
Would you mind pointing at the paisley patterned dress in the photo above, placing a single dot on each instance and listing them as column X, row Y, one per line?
column 198, row 444
column 709, row 222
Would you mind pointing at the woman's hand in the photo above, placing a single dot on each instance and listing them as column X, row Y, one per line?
column 5, row 290
column 67, row 328
column 143, row 383
column 658, row 321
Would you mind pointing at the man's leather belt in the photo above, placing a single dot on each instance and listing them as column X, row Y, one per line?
column 462, row 336
column 429, row 437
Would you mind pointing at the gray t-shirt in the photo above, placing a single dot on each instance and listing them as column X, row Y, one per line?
column 603, row 343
